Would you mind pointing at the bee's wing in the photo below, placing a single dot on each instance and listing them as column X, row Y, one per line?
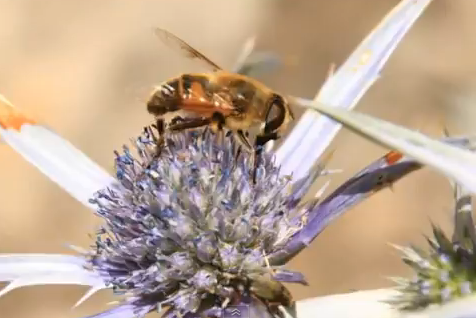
column 180, row 45
column 248, row 64
column 258, row 64
column 254, row 64
column 241, row 64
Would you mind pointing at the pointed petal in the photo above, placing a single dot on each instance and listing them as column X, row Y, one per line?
column 13, row 266
column 88, row 294
column 464, row 308
column 464, row 232
column 301, row 186
column 360, row 304
column 74, row 278
column 366, row 182
column 408, row 253
column 45, row 269
column 374, row 304
column 379, row 174
column 123, row 311
column 456, row 163
column 58, row 159
column 313, row 133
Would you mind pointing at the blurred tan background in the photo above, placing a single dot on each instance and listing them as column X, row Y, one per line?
column 85, row 68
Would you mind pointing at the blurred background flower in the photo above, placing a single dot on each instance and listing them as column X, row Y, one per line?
column 445, row 270
column 86, row 69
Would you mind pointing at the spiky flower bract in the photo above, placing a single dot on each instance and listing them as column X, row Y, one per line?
column 190, row 231
column 446, row 273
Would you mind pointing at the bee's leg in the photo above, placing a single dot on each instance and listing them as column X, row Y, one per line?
column 237, row 154
column 242, row 138
column 261, row 140
column 244, row 142
column 160, row 140
column 204, row 132
column 176, row 120
column 217, row 122
column 189, row 124
column 216, row 125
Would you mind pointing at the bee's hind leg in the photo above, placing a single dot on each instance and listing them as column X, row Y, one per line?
column 261, row 140
column 188, row 124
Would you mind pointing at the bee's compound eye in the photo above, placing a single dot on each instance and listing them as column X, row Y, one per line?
column 275, row 110
column 275, row 113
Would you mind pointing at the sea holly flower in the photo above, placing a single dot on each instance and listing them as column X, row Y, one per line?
column 187, row 230
column 448, row 271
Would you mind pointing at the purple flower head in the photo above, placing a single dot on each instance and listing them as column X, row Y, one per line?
column 189, row 229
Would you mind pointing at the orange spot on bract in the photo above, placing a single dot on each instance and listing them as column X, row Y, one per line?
column 10, row 118
column 15, row 121
column 392, row 157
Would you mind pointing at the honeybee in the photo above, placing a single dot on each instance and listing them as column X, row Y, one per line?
column 219, row 99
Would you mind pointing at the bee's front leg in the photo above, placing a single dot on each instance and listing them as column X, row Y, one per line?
column 217, row 122
column 160, row 140
column 243, row 142
column 261, row 140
